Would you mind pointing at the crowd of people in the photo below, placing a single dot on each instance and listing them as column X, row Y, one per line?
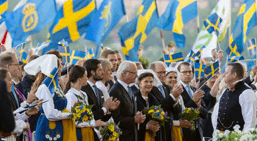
column 119, row 91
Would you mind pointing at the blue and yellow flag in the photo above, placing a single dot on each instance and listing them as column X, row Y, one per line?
column 177, row 14
column 76, row 55
column 24, row 57
column 51, row 81
column 169, row 58
column 135, row 32
column 212, row 24
column 199, row 52
column 235, row 58
column 72, row 20
column 212, row 70
column 41, row 46
column 30, row 18
column 64, row 50
column 245, row 21
column 199, row 70
column 232, row 50
column 107, row 16
column 3, row 8
column 190, row 57
column 20, row 48
column 90, row 54
column 251, row 47
column 250, row 65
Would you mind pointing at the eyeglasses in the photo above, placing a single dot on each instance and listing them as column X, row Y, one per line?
column 132, row 72
column 186, row 72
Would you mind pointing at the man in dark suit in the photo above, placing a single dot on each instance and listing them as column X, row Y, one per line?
column 166, row 97
column 125, row 114
column 192, row 98
column 95, row 95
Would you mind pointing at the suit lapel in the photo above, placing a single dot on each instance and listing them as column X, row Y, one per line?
column 185, row 95
column 126, row 96
column 92, row 94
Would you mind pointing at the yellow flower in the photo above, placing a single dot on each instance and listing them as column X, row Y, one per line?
column 150, row 111
column 162, row 117
column 115, row 134
column 162, row 113
column 112, row 139
column 77, row 110
column 157, row 111
column 111, row 128
column 88, row 111
column 85, row 118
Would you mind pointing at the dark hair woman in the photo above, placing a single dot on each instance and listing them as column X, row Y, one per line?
column 77, row 79
column 145, row 99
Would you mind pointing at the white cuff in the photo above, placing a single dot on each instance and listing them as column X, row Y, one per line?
column 174, row 99
column 21, row 116
column 20, row 125
column 176, row 123
column 104, row 109
column 24, row 104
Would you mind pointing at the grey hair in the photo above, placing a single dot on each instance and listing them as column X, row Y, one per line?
column 152, row 66
column 6, row 58
column 105, row 63
column 124, row 66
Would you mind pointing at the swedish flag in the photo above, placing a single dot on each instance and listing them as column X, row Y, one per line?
column 51, row 81
column 135, row 32
column 20, row 49
column 41, row 46
column 65, row 52
column 235, row 58
column 190, row 57
column 3, row 8
column 30, row 18
column 72, row 20
column 90, row 54
column 199, row 69
column 212, row 70
column 106, row 18
column 212, row 24
column 251, row 46
column 199, row 52
column 232, row 50
column 177, row 14
column 24, row 57
column 169, row 58
column 245, row 21
column 76, row 55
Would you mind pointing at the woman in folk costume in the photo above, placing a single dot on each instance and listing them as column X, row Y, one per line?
column 145, row 99
column 77, row 79
column 54, row 122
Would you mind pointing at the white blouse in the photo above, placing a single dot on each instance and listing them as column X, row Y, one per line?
column 100, row 85
column 72, row 99
column 50, row 112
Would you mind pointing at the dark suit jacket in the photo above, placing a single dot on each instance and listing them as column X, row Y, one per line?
column 125, row 113
column 167, row 105
column 249, row 82
column 188, row 135
column 92, row 100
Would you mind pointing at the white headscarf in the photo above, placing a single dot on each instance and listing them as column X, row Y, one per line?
column 45, row 64
column 156, row 81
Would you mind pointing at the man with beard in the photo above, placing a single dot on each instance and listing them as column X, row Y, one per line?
column 95, row 95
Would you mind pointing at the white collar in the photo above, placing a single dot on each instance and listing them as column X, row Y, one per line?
column 77, row 92
column 183, row 84
column 99, row 83
column 90, row 83
column 123, row 84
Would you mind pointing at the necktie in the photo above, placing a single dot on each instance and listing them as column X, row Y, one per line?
column 129, row 92
column 189, row 91
column 161, row 90
column 15, row 96
column 96, row 94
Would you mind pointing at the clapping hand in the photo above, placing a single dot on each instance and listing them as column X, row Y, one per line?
column 114, row 104
column 176, row 90
column 139, row 117
column 198, row 95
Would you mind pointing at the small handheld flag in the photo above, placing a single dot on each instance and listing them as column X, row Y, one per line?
column 64, row 50
column 169, row 58
column 199, row 52
column 90, row 54
column 199, row 69
column 235, row 58
column 51, row 81
column 212, row 23
column 190, row 57
column 212, row 70
column 251, row 46
column 76, row 55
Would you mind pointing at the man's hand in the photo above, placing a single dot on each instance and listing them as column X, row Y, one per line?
column 107, row 103
column 99, row 123
column 220, row 55
column 198, row 95
column 139, row 118
column 176, row 90
column 153, row 126
column 114, row 104
column 185, row 123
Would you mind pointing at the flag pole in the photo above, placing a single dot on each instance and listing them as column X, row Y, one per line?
column 161, row 31
column 198, row 19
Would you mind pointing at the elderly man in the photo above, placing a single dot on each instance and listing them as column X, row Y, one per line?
column 166, row 96
column 125, row 114
column 237, row 105
column 191, row 98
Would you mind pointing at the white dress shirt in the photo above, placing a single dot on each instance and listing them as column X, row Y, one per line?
column 50, row 112
column 100, row 85
column 91, row 85
column 247, row 101
column 72, row 99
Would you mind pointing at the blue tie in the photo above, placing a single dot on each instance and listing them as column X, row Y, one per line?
column 15, row 96
column 161, row 90
column 129, row 92
column 189, row 91
column 96, row 93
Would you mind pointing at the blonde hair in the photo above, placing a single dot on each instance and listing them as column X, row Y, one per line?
column 39, row 79
column 105, row 63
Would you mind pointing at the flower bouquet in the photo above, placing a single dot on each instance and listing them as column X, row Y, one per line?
column 81, row 112
column 156, row 113
column 190, row 114
column 110, row 132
